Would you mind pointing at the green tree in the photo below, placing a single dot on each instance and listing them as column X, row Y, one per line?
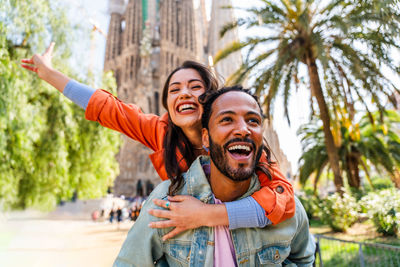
column 47, row 149
column 343, row 44
column 362, row 145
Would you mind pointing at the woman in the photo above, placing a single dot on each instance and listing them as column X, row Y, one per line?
column 176, row 139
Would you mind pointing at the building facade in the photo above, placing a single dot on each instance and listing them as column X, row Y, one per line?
column 146, row 40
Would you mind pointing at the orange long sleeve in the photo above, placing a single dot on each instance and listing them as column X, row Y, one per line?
column 276, row 195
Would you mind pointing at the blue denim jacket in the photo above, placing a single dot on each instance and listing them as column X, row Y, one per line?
column 286, row 244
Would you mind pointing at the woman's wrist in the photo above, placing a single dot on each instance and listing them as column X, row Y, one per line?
column 214, row 215
column 45, row 72
column 55, row 78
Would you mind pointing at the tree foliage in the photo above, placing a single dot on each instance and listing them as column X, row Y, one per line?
column 342, row 43
column 362, row 145
column 47, row 149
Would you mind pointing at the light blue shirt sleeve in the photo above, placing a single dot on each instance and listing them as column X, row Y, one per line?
column 245, row 213
column 78, row 93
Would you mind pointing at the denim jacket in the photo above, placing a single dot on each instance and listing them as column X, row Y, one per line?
column 286, row 244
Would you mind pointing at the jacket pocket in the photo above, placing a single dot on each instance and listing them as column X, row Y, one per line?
column 180, row 251
column 273, row 255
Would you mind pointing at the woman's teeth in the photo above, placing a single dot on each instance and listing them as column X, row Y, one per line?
column 186, row 106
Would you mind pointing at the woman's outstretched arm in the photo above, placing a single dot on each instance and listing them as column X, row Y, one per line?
column 41, row 64
column 100, row 105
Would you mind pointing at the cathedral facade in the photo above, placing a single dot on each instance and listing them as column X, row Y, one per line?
column 146, row 40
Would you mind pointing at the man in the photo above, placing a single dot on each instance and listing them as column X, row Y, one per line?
column 232, row 129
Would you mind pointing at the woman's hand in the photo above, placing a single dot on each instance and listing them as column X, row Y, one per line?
column 41, row 64
column 185, row 212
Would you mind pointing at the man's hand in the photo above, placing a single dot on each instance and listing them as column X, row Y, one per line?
column 185, row 212
column 41, row 64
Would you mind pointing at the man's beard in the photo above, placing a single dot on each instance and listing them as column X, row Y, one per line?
column 217, row 154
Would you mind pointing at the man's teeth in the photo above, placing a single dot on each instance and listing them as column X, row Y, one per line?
column 239, row 147
column 186, row 106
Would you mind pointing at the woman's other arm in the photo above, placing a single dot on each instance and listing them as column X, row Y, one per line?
column 41, row 64
column 100, row 105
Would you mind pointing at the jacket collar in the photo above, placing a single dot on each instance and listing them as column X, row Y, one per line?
column 199, row 187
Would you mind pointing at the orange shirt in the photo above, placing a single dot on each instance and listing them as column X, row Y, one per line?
column 150, row 129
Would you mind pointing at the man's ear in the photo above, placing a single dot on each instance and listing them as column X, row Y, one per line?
column 205, row 137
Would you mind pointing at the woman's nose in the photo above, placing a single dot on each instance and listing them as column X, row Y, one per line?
column 185, row 93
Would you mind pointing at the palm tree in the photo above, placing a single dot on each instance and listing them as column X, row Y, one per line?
column 342, row 44
column 362, row 145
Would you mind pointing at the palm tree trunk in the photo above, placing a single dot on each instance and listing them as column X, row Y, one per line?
column 396, row 179
column 331, row 149
column 353, row 173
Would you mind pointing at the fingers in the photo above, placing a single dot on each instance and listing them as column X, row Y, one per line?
column 49, row 49
column 162, row 203
column 178, row 198
column 160, row 213
column 28, row 67
column 27, row 60
column 162, row 224
column 173, row 233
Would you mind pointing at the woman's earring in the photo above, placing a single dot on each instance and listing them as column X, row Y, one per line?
column 205, row 148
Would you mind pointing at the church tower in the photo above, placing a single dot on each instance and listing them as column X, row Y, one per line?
column 147, row 39
column 220, row 16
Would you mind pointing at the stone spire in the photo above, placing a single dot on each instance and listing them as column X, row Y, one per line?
column 147, row 39
column 116, row 6
column 220, row 17
column 113, row 47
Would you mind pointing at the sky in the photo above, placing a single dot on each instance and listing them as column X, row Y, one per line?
column 86, row 12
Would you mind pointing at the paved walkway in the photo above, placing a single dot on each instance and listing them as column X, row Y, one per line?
column 40, row 241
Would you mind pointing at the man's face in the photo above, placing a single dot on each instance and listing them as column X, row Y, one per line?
column 235, row 135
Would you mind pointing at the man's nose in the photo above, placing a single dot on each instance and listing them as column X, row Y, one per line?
column 241, row 129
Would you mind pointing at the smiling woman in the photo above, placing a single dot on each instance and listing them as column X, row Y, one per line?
column 185, row 87
column 176, row 139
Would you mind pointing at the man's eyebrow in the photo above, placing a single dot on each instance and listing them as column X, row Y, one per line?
column 190, row 81
column 226, row 112
column 233, row 113
column 255, row 113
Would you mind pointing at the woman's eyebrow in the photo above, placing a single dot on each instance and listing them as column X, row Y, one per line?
column 174, row 83
column 190, row 81
column 195, row 80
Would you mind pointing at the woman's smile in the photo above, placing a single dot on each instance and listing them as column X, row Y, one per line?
column 185, row 87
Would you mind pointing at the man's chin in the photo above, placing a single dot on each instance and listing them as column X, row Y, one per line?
column 240, row 174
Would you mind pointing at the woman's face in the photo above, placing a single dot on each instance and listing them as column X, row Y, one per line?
column 184, row 88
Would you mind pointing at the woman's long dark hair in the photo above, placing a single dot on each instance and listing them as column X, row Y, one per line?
column 175, row 140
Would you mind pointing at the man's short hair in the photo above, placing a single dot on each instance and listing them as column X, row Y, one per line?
column 208, row 98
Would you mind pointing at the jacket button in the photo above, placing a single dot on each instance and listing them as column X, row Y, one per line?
column 277, row 256
column 279, row 189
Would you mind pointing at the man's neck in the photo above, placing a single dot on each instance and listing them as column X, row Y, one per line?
column 224, row 188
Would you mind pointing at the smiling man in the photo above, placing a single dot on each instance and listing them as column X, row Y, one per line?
column 232, row 129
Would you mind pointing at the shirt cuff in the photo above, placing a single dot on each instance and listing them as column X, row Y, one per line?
column 78, row 93
column 246, row 213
